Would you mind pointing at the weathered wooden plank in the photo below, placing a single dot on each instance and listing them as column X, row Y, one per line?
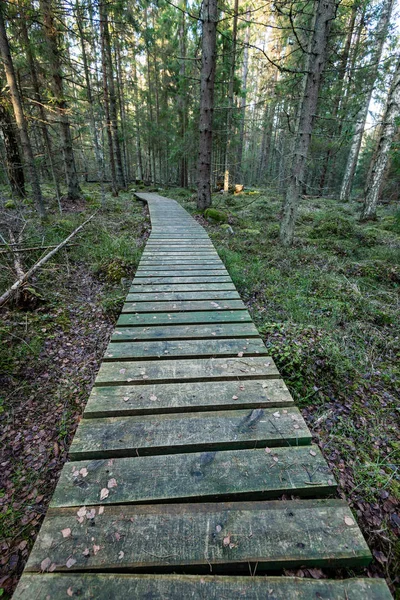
column 123, row 400
column 178, row 268
column 187, row 369
column 273, row 534
column 178, row 587
column 183, row 262
column 181, row 287
column 217, row 316
column 183, row 348
column 182, row 306
column 214, row 297
column 174, row 433
column 179, row 254
column 209, row 476
column 180, row 279
column 177, row 332
column 179, row 273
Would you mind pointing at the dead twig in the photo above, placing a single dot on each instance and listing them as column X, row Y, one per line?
column 25, row 276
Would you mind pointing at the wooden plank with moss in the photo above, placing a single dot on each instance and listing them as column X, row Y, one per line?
column 113, row 401
column 208, row 476
column 191, row 432
column 201, row 369
column 180, row 287
column 184, row 318
column 200, row 279
column 102, row 586
column 215, row 298
column 182, row 306
column 183, row 348
column 273, row 534
column 177, row 332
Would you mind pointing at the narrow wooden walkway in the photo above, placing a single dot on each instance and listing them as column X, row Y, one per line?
column 189, row 440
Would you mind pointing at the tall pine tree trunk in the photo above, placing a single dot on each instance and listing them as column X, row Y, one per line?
column 52, row 35
column 106, row 47
column 381, row 155
column 376, row 54
column 325, row 12
column 229, row 116
column 20, row 117
column 182, row 100
column 15, row 171
column 89, row 96
column 207, row 79
column 245, row 71
column 39, row 101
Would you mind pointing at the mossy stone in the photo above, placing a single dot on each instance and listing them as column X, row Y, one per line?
column 218, row 216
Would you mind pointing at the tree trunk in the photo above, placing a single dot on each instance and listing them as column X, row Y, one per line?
column 42, row 113
column 106, row 50
column 106, row 99
column 229, row 115
column 207, row 79
column 182, row 100
column 89, row 96
column 338, row 98
column 376, row 53
column 53, row 43
column 13, row 158
column 325, row 12
column 381, row 156
column 243, row 101
column 20, row 117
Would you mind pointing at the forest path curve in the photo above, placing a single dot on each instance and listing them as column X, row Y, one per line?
column 188, row 440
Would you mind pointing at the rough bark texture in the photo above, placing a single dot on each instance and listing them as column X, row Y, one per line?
column 325, row 12
column 15, row 171
column 54, row 58
column 243, row 100
column 380, row 158
column 42, row 113
column 206, row 103
column 182, row 99
column 112, row 98
column 20, row 117
column 376, row 53
column 229, row 116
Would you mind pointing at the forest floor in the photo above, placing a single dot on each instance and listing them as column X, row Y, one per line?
column 328, row 310
column 51, row 351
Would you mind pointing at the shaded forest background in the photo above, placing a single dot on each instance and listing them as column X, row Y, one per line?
column 110, row 92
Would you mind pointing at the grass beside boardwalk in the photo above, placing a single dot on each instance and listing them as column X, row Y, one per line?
column 328, row 309
column 52, row 346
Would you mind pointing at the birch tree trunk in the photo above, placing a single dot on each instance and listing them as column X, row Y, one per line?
column 325, row 13
column 376, row 54
column 207, row 79
column 20, row 117
column 381, row 156
column 53, row 40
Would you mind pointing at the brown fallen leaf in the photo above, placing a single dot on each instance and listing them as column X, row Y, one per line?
column 70, row 562
column 70, row 592
column 112, row 483
column 313, row 453
column 95, row 549
column 268, row 450
column 235, row 397
column 227, row 540
column 349, row 521
column 84, row 472
column 82, row 511
column 45, row 564
column 66, row 532
column 104, row 493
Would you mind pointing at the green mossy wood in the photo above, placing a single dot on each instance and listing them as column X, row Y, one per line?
column 178, row 587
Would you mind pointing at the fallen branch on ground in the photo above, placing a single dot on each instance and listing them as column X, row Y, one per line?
column 16, row 286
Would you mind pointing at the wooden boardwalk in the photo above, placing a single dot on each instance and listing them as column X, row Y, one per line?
column 189, row 440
